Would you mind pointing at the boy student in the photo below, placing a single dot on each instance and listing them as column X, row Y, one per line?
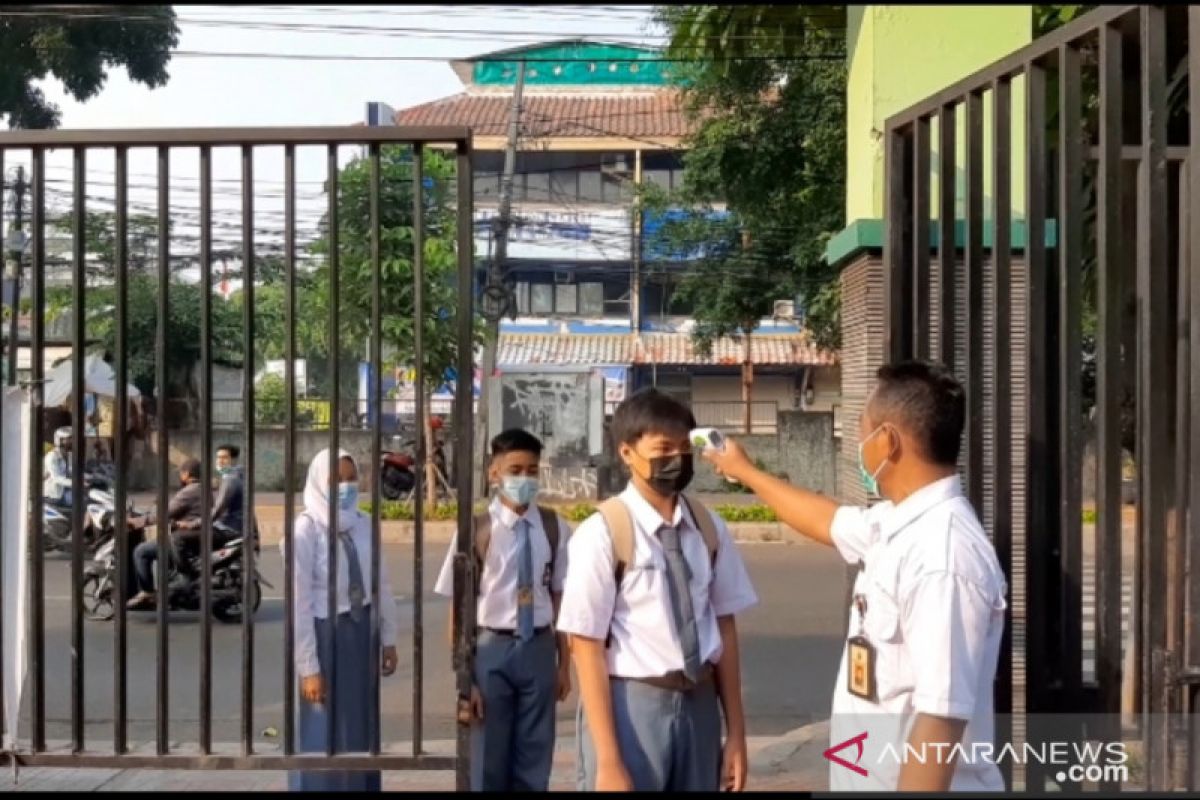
column 649, row 603
column 521, row 665
column 928, row 606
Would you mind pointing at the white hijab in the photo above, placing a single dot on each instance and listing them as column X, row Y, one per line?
column 316, row 493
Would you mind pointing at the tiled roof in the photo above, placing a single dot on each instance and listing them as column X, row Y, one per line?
column 629, row 114
column 653, row 348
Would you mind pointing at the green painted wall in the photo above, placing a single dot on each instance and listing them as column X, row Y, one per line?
column 900, row 55
column 583, row 64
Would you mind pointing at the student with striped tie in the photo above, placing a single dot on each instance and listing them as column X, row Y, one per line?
column 521, row 665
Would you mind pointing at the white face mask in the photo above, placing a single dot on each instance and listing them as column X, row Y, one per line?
column 519, row 489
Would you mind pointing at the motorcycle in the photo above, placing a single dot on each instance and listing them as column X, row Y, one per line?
column 183, row 590
column 98, row 521
column 397, row 471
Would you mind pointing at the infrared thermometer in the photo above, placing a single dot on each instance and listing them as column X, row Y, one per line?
column 709, row 439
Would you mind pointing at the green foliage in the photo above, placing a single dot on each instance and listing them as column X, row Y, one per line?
column 270, row 400
column 355, row 271
column 767, row 88
column 77, row 49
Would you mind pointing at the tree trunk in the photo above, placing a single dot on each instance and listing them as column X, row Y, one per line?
column 747, row 384
column 431, row 476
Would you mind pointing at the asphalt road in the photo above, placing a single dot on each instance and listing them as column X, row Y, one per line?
column 790, row 646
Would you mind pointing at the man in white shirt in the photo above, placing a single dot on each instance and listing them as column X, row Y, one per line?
column 56, row 478
column 521, row 665
column 656, row 649
column 927, row 614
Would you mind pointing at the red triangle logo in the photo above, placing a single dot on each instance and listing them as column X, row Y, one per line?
column 832, row 752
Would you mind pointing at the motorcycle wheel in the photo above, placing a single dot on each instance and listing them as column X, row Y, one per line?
column 230, row 611
column 97, row 603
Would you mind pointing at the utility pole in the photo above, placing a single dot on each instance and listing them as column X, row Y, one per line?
column 635, row 287
column 497, row 298
column 17, row 233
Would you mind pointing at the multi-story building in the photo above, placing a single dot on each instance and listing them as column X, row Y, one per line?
column 591, row 298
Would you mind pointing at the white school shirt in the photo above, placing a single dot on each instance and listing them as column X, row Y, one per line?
column 645, row 643
column 935, row 598
column 310, row 589
column 496, row 606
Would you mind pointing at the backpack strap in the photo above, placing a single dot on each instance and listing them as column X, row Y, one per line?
column 619, row 521
column 704, row 521
column 481, row 539
column 553, row 529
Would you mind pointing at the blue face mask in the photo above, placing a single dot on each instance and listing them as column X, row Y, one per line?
column 870, row 480
column 519, row 489
column 348, row 496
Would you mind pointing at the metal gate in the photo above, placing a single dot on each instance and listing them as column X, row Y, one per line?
column 166, row 751
column 1105, row 152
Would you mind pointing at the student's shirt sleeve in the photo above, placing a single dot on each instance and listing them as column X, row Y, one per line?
column 731, row 591
column 445, row 581
column 946, row 621
column 304, row 600
column 558, row 575
column 852, row 532
column 589, row 590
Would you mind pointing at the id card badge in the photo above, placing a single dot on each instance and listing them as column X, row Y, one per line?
column 860, row 668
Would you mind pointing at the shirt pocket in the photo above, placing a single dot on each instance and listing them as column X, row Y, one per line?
column 886, row 634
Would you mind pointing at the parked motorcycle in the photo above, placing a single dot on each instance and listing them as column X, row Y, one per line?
column 397, row 471
column 183, row 590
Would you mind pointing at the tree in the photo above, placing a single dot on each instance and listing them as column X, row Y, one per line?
column 766, row 87
column 77, row 45
column 356, row 273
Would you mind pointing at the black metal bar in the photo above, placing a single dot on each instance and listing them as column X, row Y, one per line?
column 421, row 470
column 79, row 437
column 1191, row 174
column 329, row 671
column 464, row 588
column 1177, row 533
column 1154, row 366
column 896, row 257
column 1014, row 63
column 121, row 451
column 974, row 299
column 1039, row 502
column 947, row 215
column 1109, row 294
column 386, row 761
column 162, row 710
column 250, row 587
column 206, row 447
column 37, row 346
column 259, row 137
column 10, row 357
column 289, row 451
column 376, row 438
column 1001, row 416
column 920, row 237
column 1070, row 363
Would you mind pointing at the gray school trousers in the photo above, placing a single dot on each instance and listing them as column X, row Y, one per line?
column 669, row 741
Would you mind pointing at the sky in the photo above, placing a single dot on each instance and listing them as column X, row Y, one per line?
column 207, row 91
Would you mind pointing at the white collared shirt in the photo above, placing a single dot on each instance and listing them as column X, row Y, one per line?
column 645, row 643
column 310, row 589
column 496, row 605
column 935, row 600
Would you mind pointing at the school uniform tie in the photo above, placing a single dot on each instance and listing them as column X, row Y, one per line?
column 678, row 577
column 356, row 589
column 524, row 581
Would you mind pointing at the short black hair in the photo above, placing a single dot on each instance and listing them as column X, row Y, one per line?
column 516, row 440
column 233, row 450
column 927, row 401
column 650, row 411
column 192, row 467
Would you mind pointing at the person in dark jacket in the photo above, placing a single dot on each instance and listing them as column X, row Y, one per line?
column 228, row 509
column 184, row 519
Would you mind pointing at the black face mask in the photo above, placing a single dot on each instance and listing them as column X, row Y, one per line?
column 670, row 475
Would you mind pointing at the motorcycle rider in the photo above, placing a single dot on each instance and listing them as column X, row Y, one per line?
column 184, row 518
column 56, row 476
column 228, row 509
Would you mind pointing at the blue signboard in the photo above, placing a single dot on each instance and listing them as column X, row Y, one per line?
column 656, row 244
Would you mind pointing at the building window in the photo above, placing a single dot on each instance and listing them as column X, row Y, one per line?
column 591, row 299
column 566, row 300
column 522, row 292
column 590, row 187
column 541, row 298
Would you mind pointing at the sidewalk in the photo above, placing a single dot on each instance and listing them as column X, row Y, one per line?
column 792, row 761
